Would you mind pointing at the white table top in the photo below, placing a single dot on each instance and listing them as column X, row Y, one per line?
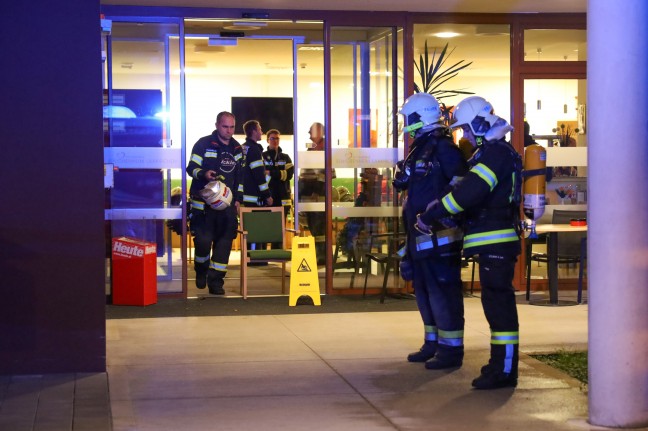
column 546, row 228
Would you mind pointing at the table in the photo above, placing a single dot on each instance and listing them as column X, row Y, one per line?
column 552, row 256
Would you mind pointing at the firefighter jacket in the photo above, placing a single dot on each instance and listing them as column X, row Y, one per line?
column 489, row 196
column 210, row 153
column 434, row 164
column 281, row 170
column 254, row 187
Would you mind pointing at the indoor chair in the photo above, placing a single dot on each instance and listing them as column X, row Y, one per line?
column 571, row 248
column 263, row 225
column 387, row 260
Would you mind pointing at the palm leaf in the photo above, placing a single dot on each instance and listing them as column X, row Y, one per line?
column 433, row 73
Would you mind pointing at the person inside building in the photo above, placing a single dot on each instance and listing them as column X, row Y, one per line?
column 215, row 167
column 312, row 188
column 489, row 197
column 279, row 167
column 432, row 261
column 255, row 188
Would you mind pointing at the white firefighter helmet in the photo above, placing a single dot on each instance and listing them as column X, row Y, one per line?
column 476, row 112
column 421, row 110
column 217, row 195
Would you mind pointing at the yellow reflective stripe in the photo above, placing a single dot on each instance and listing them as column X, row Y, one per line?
column 430, row 328
column 263, row 187
column 289, row 165
column 283, row 175
column 194, row 173
column 451, row 334
column 501, row 338
column 450, row 204
column 238, row 156
column 217, row 266
column 250, row 198
column 485, row 174
column 256, row 164
column 490, row 237
column 198, row 205
column 285, row 202
column 240, row 188
column 197, row 159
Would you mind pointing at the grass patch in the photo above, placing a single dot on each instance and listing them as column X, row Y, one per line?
column 572, row 363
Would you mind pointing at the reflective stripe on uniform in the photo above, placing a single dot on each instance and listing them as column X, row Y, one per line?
column 490, row 237
column 238, row 156
column 285, row 202
column 250, row 199
column 217, row 266
column 263, row 187
column 451, row 338
column 430, row 333
column 450, row 204
column 198, row 205
column 240, row 188
column 197, row 159
column 508, row 358
column 194, row 173
column 501, row 338
column 256, row 164
column 201, row 259
column 485, row 174
column 283, row 175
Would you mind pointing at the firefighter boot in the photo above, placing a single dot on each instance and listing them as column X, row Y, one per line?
column 426, row 352
column 501, row 370
column 215, row 282
column 201, row 279
column 446, row 357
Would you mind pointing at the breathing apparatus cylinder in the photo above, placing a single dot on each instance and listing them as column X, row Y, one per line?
column 535, row 183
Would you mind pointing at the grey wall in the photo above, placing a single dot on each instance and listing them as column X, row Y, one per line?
column 51, row 217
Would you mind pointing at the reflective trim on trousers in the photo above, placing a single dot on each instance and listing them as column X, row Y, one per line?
column 430, row 333
column 490, row 237
column 451, row 338
column 201, row 259
column 218, row 266
column 500, row 338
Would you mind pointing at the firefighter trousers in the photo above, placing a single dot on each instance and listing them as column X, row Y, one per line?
column 438, row 289
column 498, row 300
column 214, row 233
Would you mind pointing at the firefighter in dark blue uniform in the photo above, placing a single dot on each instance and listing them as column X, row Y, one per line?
column 280, row 169
column 255, row 189
column 489, row 198
column 214, row 157
column 432, row 167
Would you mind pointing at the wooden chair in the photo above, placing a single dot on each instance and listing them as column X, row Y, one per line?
column 263, row 225
column 572, row 248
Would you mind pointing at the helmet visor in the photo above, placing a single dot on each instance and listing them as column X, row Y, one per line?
column 412, row 122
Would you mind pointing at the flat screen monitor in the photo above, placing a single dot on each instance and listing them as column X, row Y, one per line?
column 271, row 112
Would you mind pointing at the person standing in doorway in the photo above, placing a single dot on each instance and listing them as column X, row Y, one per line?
column 255, row 188
column 312, row 188
column 216, row 157
column 279, row 167
column 489, row 196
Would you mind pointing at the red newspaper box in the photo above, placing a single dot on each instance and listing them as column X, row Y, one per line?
column 134, row 272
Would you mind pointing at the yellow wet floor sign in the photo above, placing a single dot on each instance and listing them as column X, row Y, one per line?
column 303, row 271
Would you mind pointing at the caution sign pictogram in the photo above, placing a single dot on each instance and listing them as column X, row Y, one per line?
column 303, row 266
column 303, row 272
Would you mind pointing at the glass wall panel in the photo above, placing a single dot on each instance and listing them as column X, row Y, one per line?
column 142, row 139
column 366, row 213
column 555, row 45
column 485, row 46
column 555, row 113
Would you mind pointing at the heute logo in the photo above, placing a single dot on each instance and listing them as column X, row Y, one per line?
column 127, row 250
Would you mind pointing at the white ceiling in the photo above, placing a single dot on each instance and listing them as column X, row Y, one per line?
column 453, row 6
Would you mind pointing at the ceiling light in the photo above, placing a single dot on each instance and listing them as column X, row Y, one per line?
column 447, row 34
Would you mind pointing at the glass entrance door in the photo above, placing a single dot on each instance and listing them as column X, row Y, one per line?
column 143, row 143
column 366, row 91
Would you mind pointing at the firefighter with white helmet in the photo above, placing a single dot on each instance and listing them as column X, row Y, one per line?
column 433, row 258
column 489, row 197
column 215, row 167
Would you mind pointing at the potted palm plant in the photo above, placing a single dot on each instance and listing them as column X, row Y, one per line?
column 433, row 74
